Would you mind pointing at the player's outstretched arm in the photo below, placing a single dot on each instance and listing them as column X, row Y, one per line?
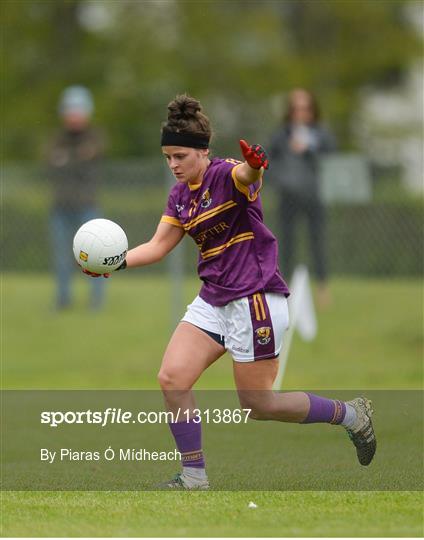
column 256, row 161
column 164, row 240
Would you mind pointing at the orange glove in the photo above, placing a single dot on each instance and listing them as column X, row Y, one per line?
column 254, row 154
column 93, row 274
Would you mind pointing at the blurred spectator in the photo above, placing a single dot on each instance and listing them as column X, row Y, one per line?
column 73, row 160
column 294, row 157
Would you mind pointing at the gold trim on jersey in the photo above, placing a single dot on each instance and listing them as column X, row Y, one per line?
column 259, row 307
column 251, row 197
column 193, row 187
column 210, row 213
column 171, row 220
column 235, row 240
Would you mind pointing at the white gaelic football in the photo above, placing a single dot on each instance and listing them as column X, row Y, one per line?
column 100, row 246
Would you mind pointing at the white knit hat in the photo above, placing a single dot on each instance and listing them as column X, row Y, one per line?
column 76, row 99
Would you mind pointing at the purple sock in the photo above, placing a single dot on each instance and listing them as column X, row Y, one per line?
column 188, row 437
column 322, row 409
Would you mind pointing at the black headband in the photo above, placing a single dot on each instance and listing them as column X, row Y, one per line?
column 189, row 140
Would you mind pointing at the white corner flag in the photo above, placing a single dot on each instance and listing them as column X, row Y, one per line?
column 302, row 317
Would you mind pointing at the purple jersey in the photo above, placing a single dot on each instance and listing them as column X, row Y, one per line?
column 238, row 254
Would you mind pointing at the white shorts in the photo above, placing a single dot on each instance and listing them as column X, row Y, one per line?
column 252, row 327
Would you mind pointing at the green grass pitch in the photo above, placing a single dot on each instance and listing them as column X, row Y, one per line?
column 371, row 337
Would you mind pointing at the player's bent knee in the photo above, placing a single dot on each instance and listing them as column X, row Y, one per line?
column 256, row 414
column 172, row 380
column 260, row 405
column 261, row 413
column 165, row 379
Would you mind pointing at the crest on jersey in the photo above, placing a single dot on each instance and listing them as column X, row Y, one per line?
column 206, row 199
column 263, row 335
column 179, row 207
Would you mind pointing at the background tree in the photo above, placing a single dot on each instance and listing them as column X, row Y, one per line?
column 239, row 57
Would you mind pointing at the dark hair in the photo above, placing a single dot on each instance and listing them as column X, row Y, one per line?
column 185, row 116
column 315, row 109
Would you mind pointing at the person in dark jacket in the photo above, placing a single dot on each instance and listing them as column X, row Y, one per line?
column 295, row 151
column 73, row 159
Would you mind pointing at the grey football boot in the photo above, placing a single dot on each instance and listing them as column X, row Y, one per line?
column 362, row 432
column 182, row 481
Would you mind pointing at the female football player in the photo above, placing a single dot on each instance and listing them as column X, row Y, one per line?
column 242, row 303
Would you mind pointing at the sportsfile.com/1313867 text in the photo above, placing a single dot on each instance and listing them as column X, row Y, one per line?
column 113, row 415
